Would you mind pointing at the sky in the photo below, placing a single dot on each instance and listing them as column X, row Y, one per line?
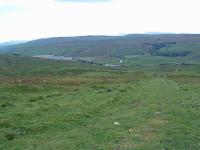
column 33, row 19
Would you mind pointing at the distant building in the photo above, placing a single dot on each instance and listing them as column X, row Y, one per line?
column 112, row 65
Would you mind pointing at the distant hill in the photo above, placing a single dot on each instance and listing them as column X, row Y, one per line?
column 11, row 43
column 169, row 45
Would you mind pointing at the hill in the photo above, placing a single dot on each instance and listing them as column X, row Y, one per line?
column 9, row 43
column 26, row 67
column 168, row 45
column 51, row 104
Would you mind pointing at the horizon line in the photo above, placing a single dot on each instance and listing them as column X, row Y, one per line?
column 85, row 35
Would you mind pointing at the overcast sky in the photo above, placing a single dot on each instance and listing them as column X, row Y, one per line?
column 31, row 19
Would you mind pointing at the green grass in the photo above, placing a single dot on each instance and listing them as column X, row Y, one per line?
column 156, row 109
column 20, row 66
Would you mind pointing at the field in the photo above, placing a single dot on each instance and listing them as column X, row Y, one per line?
column 47, row 105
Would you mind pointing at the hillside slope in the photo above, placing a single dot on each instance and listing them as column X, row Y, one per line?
column 23, row 66
column 170, row 45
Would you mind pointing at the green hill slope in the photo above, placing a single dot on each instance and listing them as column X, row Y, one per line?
column 170, row 45
column 23, row 66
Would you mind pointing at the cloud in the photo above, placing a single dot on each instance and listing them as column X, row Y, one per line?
column 5, row 9
column 84, row 1
column 47, row 18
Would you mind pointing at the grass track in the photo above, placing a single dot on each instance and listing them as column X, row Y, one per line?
column 153, row 114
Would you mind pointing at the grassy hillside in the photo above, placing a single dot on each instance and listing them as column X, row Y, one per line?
column 171, row 45
column 22, row 66
column 64, row 115
column 70, row 105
